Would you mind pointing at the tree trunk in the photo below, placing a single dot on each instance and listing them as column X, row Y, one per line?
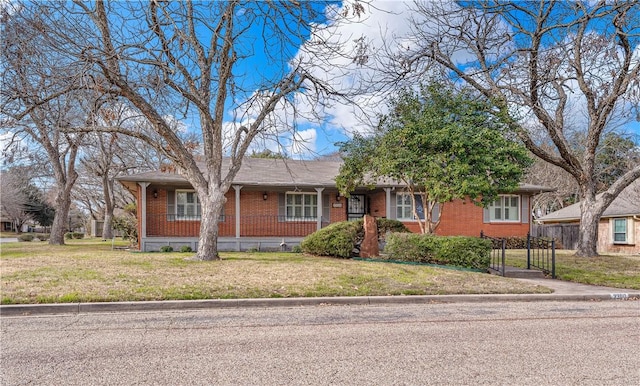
column 588, row 236
column 60, row 220
column 107, row 232
column 212, row 205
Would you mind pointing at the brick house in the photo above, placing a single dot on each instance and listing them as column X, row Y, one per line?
column 281, row 201
column 619, row 226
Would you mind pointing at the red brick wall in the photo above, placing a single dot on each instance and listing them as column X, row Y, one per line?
column 259, row 217
column 464, row 218
column 339, row 212
column 378, row 204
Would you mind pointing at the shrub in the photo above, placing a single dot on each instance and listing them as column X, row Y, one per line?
column 166, row 248
column 340, row 239
column 77, row 235
column 185, row 248
column 386, row 225
column 337, row 239
column 25, row 237
column 128, row 226
column 42, row 237
column 296, row 249
column 469, row 252
column 68, row 236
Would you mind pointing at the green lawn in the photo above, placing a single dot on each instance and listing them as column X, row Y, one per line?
column 89, row 270
column 617, row 271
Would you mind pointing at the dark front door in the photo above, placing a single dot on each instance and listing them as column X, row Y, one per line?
column 356, row 206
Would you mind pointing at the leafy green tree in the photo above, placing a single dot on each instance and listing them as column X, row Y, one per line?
column 37, row 206
column 443, row 145
column 558, row 63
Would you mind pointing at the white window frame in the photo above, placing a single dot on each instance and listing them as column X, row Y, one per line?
column 628, row 230
column 303, row 205
column 499, row 203
column 401, row 202
column 196, row 205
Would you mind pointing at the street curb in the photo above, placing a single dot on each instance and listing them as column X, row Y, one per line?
column 86, row 308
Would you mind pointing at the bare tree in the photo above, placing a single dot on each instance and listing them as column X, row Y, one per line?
column 14, row 199
column 190, row 59
column 107, row 156
column 42, row 95
column 541, row 61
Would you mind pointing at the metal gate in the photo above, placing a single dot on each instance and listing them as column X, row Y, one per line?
column 356, row 206
column 541, row 254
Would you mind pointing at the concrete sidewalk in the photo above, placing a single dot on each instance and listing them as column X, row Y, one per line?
column 563, row 291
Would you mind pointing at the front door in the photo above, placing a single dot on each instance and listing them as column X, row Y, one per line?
column 356, row 206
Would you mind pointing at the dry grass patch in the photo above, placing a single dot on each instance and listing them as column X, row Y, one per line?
column 90, row 271
column 618, row 271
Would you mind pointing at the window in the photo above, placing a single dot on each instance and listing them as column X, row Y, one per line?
column 302, row 206
column 187, row 205
column 620, row 231
column 404, row 207
column 505, row 209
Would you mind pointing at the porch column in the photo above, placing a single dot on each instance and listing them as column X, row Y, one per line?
column 319, row 224
column 143, row 213
column 387, row 202
column 237, row 189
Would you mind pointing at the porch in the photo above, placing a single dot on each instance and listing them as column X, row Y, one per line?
column 225, row 244
column 236, row 233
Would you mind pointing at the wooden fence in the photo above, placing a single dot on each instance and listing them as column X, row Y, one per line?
column 564, row 234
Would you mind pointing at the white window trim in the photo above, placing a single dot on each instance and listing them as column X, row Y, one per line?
column 518, row 210
column 629, row 231
column 197, row 202
column 405, row 219
column 286, row 206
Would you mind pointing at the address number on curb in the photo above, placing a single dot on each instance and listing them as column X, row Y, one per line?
column 619, row 296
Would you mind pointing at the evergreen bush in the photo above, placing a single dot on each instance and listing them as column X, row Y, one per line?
column 25, row 237
column 340, row 239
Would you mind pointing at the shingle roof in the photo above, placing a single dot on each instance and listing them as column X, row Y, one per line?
column 262, row 172
column 280, row 173
column 626, row 204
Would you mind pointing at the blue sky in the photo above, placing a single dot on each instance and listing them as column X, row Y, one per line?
column 379, row 23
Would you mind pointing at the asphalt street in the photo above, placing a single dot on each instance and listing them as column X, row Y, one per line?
column 491, row 343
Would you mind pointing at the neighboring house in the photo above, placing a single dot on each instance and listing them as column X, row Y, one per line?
column 619, row 227
column 6, row 225
column 276, row 202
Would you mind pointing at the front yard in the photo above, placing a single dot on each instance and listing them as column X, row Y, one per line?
column 89, row 270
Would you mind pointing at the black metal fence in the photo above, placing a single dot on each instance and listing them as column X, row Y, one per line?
column 170, row 225
column 541, row 254
column 498, row 253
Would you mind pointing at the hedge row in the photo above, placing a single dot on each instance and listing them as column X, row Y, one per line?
column 468, row 252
